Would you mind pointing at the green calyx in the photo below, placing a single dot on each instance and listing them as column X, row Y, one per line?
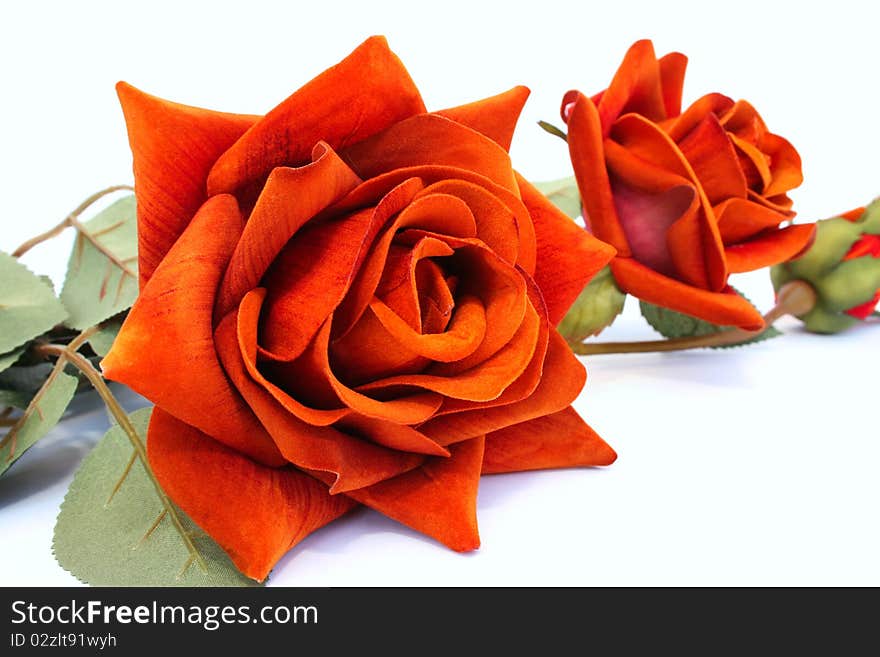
column 839, row 284
column 597, row 306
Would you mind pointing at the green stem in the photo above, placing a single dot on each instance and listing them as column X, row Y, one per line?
column 121, row 417
column 69, row 220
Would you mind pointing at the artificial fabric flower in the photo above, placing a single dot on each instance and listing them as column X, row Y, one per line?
column 686, row 198
column 843, row 269
column 347, row 301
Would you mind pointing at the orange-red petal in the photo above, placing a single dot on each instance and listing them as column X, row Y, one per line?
column 165, row 349
column 438, row 499
column 636, row 87
column 568, row 256
column 560, row 440
column 430, row 139
column 672, row 70
column 561, row 381
column 587, row 151
column 770, row 248
column 289, row 199
column 365, row 93
column 173, row 147
column 353, row 462
column 725, row 308
column 494, row 117
column 254, row 512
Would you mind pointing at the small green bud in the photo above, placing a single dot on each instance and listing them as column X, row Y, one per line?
column 843, row 269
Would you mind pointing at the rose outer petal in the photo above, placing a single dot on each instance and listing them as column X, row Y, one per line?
column 173, row 147
column 495, row 117
column 438, row 499
column 568, row 256
column 770, row 248
column 560, row 440
column 256, row 513
column 365, row 93
column 165, row 349
column 725, row 308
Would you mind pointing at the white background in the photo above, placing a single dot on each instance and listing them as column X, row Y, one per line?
column 747, row 467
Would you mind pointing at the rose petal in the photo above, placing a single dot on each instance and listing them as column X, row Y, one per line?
column 636, row 88
column 739, row 219
column 560, row 440
column 568, row 256
column 175, row 308
column 438, row 499
column 462, row 338
column 494, row 117
column 770, row 248
column 483, row 382
column 255, row 513
column 587, row 151
column 726, row 308
column 714, row 160
column 785, row 165
column 353, row 462
column 376, row 188
column 309, row 279
column 672, row 69
column 429, row 139
column 693, row 240
column 173, row 147
column 495, row 223
column 390, row 434
column 560, row 383
column 290, row 198
column 713, row 103
column 364, row 94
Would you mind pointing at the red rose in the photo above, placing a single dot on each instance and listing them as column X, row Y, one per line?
column 686, row 198
column 348, row 300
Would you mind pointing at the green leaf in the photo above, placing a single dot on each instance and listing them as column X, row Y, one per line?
column 563, row 193
column 8, row 359
column 28, row 305
column 13, row 398
column 672, row 324
column 103, row 339
column 43, row 413
column 596, row 307
column 102, row 272
column 106, row 533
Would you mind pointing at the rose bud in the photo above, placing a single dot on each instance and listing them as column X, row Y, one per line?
column 687, row 198
column 347, row 301
column 843, row 268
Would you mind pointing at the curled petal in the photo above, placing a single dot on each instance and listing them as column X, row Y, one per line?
column 587, row 151
column 289, row 199
column 256, row 513
column 560, row 383
column 353, row 462
column 636, row 87
column 770, row 248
